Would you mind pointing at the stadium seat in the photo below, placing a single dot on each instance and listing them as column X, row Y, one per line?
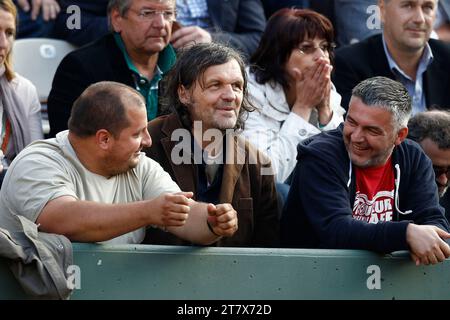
column 37, row 59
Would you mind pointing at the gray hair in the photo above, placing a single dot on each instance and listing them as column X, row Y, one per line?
column 121, row 5
column 388, row 94
column 190, row 67
column 434, row 125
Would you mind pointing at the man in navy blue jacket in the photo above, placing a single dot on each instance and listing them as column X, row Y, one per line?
column 363, row 186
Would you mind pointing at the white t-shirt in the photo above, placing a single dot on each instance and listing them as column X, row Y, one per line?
column 49, row 169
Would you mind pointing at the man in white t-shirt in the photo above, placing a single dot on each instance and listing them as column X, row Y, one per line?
column 92, row 183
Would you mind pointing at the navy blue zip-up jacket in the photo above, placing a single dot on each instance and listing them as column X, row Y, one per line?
column 318, row 211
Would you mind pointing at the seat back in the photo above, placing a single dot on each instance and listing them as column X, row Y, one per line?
column 37, row 59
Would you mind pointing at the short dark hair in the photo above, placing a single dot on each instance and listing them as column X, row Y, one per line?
column 190, row 67
column 388, row 94
column 103, row 106
column 121, row 5
column 285, row 30
column 434, row 125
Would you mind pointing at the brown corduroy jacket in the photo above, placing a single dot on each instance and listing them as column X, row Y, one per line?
column 251, row 193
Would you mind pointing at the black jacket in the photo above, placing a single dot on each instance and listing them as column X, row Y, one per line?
column 239, row 23
column 100, row 61
column 318, row 211
column 445, row 203
column 93, row 21
column 366, row 59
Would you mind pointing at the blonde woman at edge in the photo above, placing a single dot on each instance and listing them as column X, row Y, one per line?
column 20, row 110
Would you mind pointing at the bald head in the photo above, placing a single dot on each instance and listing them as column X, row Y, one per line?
column 103, row 105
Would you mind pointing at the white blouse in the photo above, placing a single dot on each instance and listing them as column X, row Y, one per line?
column 277, row 131
column 27, row 92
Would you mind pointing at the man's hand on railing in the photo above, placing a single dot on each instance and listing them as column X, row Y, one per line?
column 426, row 245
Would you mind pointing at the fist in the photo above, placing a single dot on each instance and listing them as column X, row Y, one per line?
column 223, row 219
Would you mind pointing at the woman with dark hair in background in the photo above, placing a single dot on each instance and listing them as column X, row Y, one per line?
column 20, row 110
column 289, row 83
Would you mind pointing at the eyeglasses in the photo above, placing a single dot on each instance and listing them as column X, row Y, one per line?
column 149, row 15
column 438, row 171
column 310, row 48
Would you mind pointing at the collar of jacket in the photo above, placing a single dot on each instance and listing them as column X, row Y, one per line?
column 186, row 174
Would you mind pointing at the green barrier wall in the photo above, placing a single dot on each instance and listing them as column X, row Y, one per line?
column 161, row 272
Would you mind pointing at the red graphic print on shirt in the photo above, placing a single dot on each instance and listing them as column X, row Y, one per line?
column 374, row 200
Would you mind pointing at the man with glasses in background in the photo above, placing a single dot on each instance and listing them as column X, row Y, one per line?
column 235, row 23
column 431, row 130
column 136, row 53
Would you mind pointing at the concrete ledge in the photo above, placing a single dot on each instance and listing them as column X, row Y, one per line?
column 167, row 272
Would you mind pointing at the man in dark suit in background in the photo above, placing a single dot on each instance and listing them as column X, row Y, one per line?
column 404, row 52
column 236, row 23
